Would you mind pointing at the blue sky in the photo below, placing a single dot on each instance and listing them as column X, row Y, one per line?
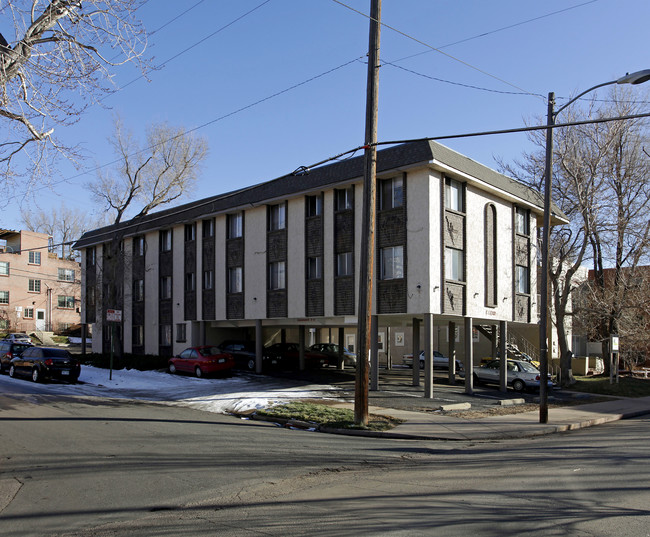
column 501, row 58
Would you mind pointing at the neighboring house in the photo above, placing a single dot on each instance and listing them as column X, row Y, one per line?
column 38, row 290
column 455, row 242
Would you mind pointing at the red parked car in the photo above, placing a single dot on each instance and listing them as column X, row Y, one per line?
column 201, row 361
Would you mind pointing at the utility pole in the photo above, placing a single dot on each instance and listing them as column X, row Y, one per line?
column 367, row 265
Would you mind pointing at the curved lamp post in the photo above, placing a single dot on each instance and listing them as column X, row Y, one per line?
column 639, row 77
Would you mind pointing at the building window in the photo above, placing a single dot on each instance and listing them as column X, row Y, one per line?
column 138, row 290
column 165, row 335
column 34, row 258
column 4, row 268
column 344, row 264
column 66, row 302
column 208, row 279
column 344, row 199
column 392, row 262
column 235, row 280
column 34, row 286
column 4, row 297
column 181, row 332
column 190, row 282
column 91, row 256
column 314, row 268
column 208, row 228
column 454, row 264
column 66, row 275
column 523, row 280
column 166, row 240
column 235, row 225
column 391, row 194
column 314, row 205
column 454, row 195
column 277, row 217
column 29, row 313
column 138, row 246
column 165, row 287
column 190, row 232
column 277, row 275
column 137, row 333
column 522, row 222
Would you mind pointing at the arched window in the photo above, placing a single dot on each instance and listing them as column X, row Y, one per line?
column 490, row 244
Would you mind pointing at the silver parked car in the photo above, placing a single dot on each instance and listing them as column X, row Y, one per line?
column 521, row 374
column 440, row 361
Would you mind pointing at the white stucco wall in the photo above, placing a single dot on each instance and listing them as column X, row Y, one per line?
column 220, row 275
column 255, row 265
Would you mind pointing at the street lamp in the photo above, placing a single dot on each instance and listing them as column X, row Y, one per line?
column 639, row 77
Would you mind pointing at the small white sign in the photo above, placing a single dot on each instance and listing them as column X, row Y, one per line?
column 614, row 343
column 114, row 315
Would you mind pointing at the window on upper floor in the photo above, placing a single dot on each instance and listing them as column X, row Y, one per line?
column 165, row 287
column 235, row 225
column 522, row 221
column 91, row 256
column 138, row 246
column 4, row 268
column 66, row 302
column 314, row 205
column 277, row 275
column 166, row 240
column 34, row 286
column 138, row 290
column 4, row 297
column 190, row 282
column 391, row 261
column 454, row 195
column 522, row 282
column 235, row 280
column 454, row 264
column 137, row 333
column 344, row 199
column 208, row 279
column 345, row 264
column 391, row 193
column 277, row 217
column 190, row 232
column 65, row 275
column 34, row 258
column 208, row 228
column 314, row 268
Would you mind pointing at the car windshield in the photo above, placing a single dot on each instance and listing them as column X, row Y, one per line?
column 528, row 367
column 20, row 348
column 209, row 351
column 56, row 353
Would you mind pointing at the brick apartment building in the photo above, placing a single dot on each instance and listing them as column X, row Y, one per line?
column 38, row 290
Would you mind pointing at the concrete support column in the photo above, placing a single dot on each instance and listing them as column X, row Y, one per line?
column 341, row 364
column 416, row 352
column 374, row 353
column 452, row 353
column 494, row 341
column 428, row 356
column 301, row 348
column 503, row 353
column 259, row 345
column 469, row 357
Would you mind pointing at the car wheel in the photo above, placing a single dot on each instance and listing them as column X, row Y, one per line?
column 198, row 372
column 12, row 371
column 36, row 374
column 251, row 365
column 171, row 368
column 518, row 385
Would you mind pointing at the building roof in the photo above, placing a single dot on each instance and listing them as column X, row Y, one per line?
column 408, row 155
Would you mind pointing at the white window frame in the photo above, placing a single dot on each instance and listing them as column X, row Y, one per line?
column 4, row 268
column 66, row 275
column 391, row 261
column 34, row 258
column 523, row 279
column 4, row 297
column 65, row 302
column 34, row 286
column 454, row 195
column 454, row 264
column 522, row 221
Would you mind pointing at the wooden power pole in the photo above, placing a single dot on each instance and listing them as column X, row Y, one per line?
column 367, row 265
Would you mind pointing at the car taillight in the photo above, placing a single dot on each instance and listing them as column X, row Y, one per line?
column 537, row 377
column 49, row 362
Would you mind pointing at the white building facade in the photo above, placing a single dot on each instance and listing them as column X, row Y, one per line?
column 455, row 243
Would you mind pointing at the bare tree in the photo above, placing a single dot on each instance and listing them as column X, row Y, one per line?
column 64, row 225
column 162, row 172
column 602, row 183
column 55, row 61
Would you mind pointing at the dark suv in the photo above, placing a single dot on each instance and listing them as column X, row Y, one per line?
column 8, row 351
column 46, row 362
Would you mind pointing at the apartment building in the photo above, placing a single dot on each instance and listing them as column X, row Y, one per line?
column 455, row 244
column 38, row 290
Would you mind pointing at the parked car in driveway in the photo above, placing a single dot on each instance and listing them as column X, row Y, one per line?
column 242, row 351
column 440, row 361
column 331, row 350
column 8, row 351
column 201, row 361
column 41, row 363
column 521, row 375
column 286, row 356
column 18, row 337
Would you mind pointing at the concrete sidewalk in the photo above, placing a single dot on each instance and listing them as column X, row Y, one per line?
column 432, row 426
